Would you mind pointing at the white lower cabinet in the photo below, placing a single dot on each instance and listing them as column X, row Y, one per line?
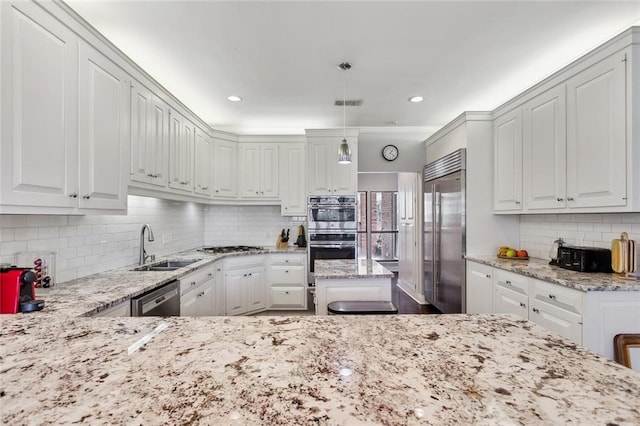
column 245, row 285
column 197, row 293
column 591, row 319
column 479, row 288
column 287, row 275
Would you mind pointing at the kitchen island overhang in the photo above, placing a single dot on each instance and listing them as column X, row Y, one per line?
column 402, row 369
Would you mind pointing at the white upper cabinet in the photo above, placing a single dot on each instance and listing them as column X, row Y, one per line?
column 39, row 103
column 544, row 150
column 65, row 119
column 203, row 160
column 225, row 169
column 181, row 147
column 149, row 137
column 293, row 178
column 507, row 133
column 258, row 165
column 596, row 135
column 104, row 113
column 325, row 175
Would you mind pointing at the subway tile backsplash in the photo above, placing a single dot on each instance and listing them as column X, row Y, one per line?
column 86, row 245
column 250, row 225
column 537, row 232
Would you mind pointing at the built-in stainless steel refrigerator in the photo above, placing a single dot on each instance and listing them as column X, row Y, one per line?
column 444, row 232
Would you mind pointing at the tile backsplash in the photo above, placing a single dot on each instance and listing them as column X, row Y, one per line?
column 249, row 225
column 537, row 232
column 86, row 245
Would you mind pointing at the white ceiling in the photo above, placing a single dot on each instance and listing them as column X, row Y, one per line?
column 281, row 57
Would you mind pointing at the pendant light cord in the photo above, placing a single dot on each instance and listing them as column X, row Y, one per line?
column 344, row 108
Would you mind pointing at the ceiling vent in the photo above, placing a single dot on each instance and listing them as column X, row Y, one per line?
column 348, row 102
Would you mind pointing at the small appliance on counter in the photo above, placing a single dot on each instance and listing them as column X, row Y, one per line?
column 43, row 264
column 624, row 256
column 18, row 291
column 301, row 242
column 553, row 253
column 584, row 259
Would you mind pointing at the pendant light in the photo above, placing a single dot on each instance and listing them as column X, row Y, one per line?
column 344, row 152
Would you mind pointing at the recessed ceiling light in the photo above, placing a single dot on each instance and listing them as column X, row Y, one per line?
column 234, row 98
column 416, row 99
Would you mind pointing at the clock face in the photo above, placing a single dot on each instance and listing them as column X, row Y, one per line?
column 390, row 152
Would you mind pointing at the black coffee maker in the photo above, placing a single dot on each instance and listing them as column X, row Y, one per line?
column 17, row 290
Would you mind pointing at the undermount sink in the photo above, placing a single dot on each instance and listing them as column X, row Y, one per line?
column 166, row 265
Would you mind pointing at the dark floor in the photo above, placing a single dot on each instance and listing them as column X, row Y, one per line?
column 407, row 305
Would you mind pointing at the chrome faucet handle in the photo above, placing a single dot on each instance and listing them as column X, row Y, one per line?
column 150, row 258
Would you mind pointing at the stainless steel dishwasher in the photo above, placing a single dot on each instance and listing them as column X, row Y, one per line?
column 162, row 302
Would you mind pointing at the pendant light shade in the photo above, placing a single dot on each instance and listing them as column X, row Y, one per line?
column 344, row 152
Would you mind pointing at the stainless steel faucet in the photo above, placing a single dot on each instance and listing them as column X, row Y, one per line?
column 143, row 253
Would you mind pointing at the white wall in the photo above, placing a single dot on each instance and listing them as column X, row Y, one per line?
column 377, row 181
column 86, row 245
column 248, row 225
column 537, row 232
column 410, row 144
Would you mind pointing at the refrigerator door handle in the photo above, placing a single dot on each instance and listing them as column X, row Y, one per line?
column 436, row 241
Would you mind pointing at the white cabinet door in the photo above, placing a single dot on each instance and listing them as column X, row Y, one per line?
column 104, row 114
column 189, row 304
column 235, row 299
column 479, row 288
column 507, row 133
column 181, row 147
column 256, row 289
column 225, row 166
column 39, row 109
column 249, row 168
column 149, row 137
column 203, row 159
column 544, row 150
column 508, row 301
column 269, row 171
column 560, row 321
column 325, row 175
column 293, row 179
column 596, row 135
column 206, row 297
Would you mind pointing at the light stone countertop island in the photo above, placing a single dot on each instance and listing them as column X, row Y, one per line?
column 348, row 280
column 58, row 366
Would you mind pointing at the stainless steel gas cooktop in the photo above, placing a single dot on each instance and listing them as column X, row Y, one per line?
column 228, row 249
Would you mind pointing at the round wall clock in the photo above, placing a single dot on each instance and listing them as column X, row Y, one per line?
column 390, row 152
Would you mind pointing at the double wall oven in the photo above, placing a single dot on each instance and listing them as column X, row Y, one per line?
column 332, row 223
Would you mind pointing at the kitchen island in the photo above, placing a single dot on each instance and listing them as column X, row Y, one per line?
column 348, row 280
column 330, row 370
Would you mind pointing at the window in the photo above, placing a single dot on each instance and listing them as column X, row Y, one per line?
column 377, row 225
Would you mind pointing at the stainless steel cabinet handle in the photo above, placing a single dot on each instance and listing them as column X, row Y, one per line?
column 74, row 195
column 537, row 311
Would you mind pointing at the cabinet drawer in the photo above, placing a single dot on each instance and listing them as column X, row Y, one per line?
column 287, row 297
column 553, row 294
column 514, row 282
column 562, row 322
column 288, row 259
column 286, row 274
column 240, row 262
column 193, row 280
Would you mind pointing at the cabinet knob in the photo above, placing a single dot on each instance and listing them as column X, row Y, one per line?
column 552, row 296
column 536, row 310
column 517, row 202
column 257, row 193
column 286, row 292
column 86, row 197
column 508, row 282
column 522, row 305
column 210, row 274
column 488, row 276
column 560, row 199
column 150, row 175
column 193, row 283
column 74, row 195
column 569, row 198
column 286, row 272
column 205, row 188
column 216, row 191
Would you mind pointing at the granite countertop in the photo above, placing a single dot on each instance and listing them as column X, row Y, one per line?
column 540, row 269
column 330, row 370
column 350, row 269
column 90, row 295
